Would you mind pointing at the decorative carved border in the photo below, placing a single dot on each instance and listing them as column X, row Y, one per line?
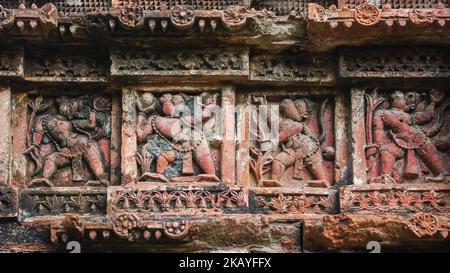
column 194, row 63
column 368, row 15
column 85, row 65
column 397, row 61
column 293, row 201
column 59, row 201
column 397, row 198
column 122, row 226
column 11, row 63
column 176, row 199
column 31, row 21
column 301, row 68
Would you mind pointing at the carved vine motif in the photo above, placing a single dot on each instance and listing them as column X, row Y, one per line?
column 6, row 18
column 393, row 200
column 424, row 224
column 182, row 16
column 60, row 67
column 302, row 68
column 176, row 201
column 298, row 203
column 131, row 17
column 68, row 140
column 407, row 137
column 419, row 16
column 6, row 199
column 294, row 153
column 396, row 62
column 10, row 63
column 234, row 17
column 130, row 61
column 367, row 14
column 40, row 204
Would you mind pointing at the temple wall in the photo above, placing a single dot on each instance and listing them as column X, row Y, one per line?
column 250, row 126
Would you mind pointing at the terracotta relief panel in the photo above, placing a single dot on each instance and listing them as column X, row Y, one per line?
column 170, row 147
column 177, row 136
column 67, row 140
column 291, row 140
column 407, row 136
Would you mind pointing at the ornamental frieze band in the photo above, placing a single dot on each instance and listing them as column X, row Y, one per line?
column 224, row 125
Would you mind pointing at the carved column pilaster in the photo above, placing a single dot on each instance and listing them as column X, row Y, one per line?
column 228, row 134
column 8, row 195
column 129, row 144
column 5, row 136
column 358, row 136
column 341, row 125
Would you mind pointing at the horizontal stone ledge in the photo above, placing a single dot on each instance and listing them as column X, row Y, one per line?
column 180, row 62
column 395, row 198
column 394, row 62
column 44, row 202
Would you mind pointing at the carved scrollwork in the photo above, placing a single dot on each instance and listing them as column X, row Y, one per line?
column 234, row 17
column 421, row 16
column 49, row 14
column 318, row 13
column 182, row 17
column 424, row 224
column 131, row 227
column 131, row 17
column 367, row 14
column 6, row 17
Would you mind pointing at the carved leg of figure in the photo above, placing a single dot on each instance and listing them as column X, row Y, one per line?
column 50, row 167
column 164, row 161
column 204, row 160
column 77, row 169
column 432, row 159
column 315, row 166
column 94, row 159
column 281, row 161
column 388, row 154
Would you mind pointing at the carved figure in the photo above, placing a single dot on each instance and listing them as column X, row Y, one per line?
column 299, row 147
column 174, row 125
column 73, row 134
column 400, row 133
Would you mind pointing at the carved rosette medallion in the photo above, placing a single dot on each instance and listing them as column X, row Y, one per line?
column 131, row 227
column 131, row 17
column 367, row 14
column 318, row 13
column 421, row 16
column 124, row 224
column 176, row 230
column 49, row 14
column 424, row 224
column 182, row 17
column 234, row 17
column 6, row 18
